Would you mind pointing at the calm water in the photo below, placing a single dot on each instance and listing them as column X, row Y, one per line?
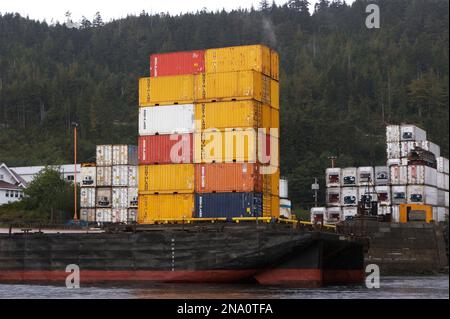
column 391, row 287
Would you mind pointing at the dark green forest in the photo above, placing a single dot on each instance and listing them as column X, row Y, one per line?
column 340, row 81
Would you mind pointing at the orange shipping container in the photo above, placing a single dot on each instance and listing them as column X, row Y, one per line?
column 227, row 177
column 271, row 206
column 165, row 207
column 274, row 94
column 274, row 65
column 271, row 182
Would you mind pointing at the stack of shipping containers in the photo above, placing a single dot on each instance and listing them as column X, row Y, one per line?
column 198, row 124
column 411, row 183
column 109, row 187
column 399, row 182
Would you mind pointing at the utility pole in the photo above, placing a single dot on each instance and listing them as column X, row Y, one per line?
column 315, row 188
column 333, row 160
column 75, row 126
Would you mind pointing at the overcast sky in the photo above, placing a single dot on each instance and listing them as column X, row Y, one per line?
column 109, row 9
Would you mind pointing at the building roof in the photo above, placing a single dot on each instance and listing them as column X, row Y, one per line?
column 20, row 182
column 32, row 170
column 5, row 185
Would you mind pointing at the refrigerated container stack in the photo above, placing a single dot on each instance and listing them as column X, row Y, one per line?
column 109, row 187
column 199, row 118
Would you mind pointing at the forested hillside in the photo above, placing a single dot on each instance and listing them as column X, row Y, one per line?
column 340, row 82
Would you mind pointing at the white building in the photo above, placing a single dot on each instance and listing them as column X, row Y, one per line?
column 11, row 185
column 28, row 173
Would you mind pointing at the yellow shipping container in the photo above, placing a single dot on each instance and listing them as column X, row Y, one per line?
column 166, row 90
column 166, row 179
column 232, row 114
column 271, row 206
column 274, row 118
column 271, row 182
column 238, row 58
column 274, row 65
column 225, row 146
column 231, row 86
column 166, row 207
column 275, row 94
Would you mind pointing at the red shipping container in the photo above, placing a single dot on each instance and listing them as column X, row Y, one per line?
column 227, row 177
column 161, row 149
column 177, row 63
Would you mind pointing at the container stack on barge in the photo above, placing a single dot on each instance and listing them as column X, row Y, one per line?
column 208, row 203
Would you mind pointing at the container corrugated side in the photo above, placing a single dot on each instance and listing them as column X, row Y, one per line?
column 166, row 179
column 163, row 207
column 166, row 119
column 228, row 205
column 104, row 155
column 120, row 175
column 420, row 194
column 274, row 118
column 132, row 215
column 119, row 215
column 393, row 150
column 124, row 155
column 284, row 188
column 333, row 196
column 87, row 197
column 177, row 63
column 132, row 175
column 166, row 149
column 120, row 197
column 398, row 194
column 412, row 133
column 442, row 165
column 227, row 177
column 104, row 176
column 392, row 133
column 271, row 182
column 88, row 176
column 399, row 175
column 232, row 114
column 87, row 214
column 422, row 175
column 274, row 94
column 239, row 58
column 243, row 85
column 132, row 197
column 442, row 181
column 274, row 65
column 103, row 215
column 167, row 90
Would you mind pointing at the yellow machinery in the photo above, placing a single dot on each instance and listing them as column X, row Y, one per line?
column 415, row 212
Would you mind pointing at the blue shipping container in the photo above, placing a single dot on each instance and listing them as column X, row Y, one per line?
column 229, row 205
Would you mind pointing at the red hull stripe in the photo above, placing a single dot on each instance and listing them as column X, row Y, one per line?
column 291, row 277
column 346, row 276
column 124, row 275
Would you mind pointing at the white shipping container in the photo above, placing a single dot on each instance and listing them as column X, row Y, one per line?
column 442, row 181
column 393, row 150
column 423, row 195
column 349, row 175
column 412, row 133
column 392, row 133
column 120, row 197
column 104, row 155
column 404, row 161
column 384, row 210
column 104, row 175
column 132, row 215
column 369, row 192
column 87, row 197
column 104, row 197
column 120, row 175
column 384, row 195
column 88, row 176
column 349, row 212
column 406, row 147
column 429, row 146
column 441, row 197
column 333, row 177
column 395, row 214
column 285, row 208
column 422, row 175
column 103, row 215
column 446, row 200
column 87, row 214
column 365, row 176
column 349, row 196
column 283, row 188
column 442, row 165
column 132, row 175
column 381, row 175
column 333, row 196
column 166, row 119
column 318, row 214
column 393, row 161
column 398, row 195
column 440, row 214
column 399, row 175
column 125, row 155
column 132, row 197
column 119, row 215
column 333, row 215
